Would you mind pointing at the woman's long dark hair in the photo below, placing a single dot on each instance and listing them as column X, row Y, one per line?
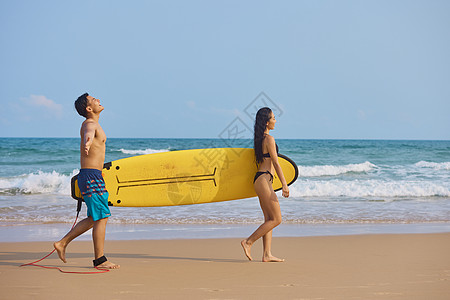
column 262, row 117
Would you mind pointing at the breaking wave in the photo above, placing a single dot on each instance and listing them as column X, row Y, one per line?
column 369, row 188
column 330, row 170
column 143, row 151
column 37, row 183
column 434, row 165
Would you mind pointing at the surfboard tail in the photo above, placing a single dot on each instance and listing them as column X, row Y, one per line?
column 75, row 191
column 294, row 165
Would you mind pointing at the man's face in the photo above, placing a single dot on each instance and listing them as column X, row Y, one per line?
column 93, row 105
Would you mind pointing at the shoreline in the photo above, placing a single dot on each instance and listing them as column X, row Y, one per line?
column 118, row 232
column 367, row 266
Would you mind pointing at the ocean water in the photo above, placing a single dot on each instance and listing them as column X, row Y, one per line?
column 341, row 182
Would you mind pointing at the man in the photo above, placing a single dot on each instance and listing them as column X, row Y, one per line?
column 90, row 182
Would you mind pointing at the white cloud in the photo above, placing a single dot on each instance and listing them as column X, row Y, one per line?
column 51, row 107
column 227, row 112
column 190, row 104
column 361, row 114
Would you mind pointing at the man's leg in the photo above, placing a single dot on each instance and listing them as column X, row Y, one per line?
column 81, row 227
column 98, row 237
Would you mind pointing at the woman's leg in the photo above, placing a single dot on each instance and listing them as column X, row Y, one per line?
column 272, row 216
column 267, row 238
column 267, row 249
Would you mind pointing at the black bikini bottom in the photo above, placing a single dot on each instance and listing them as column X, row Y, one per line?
column 260, row 173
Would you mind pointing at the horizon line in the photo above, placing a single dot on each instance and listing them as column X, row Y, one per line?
column 218, row 138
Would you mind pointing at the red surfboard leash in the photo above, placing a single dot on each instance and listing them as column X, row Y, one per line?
column 59, row 269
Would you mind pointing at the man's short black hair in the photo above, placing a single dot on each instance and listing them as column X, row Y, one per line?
column 81, row 103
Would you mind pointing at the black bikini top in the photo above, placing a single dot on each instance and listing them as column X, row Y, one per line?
column 268, row 154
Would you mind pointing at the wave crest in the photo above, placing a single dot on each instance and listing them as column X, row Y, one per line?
column 433, row 165
column 37, row 183
column 330, row 170
column 142, row 152
column 368, row 188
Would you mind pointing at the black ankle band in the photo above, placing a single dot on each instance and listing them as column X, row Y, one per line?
column 99, row 261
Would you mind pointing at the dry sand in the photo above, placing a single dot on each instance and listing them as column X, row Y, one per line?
column 405, row 266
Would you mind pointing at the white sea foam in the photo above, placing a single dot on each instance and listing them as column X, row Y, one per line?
column 433, row 165
column 368, row 188
column 330, row 170
column 37, row 183
column 141, row 152
column 59, row 184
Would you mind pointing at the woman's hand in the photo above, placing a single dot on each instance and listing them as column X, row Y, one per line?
column 285, row 192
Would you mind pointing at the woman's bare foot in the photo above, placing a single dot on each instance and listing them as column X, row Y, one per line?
column 108, row 265
column 247, row 248
column 61, row 250
column 270, row 258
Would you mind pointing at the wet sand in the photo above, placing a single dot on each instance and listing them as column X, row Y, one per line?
column 385, row 266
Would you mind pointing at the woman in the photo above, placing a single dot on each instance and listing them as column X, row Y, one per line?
column 266, row 154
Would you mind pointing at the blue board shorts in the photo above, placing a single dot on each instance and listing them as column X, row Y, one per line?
column 94, row 193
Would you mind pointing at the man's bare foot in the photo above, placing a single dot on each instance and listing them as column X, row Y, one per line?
column 247, row 248
column 108, row 265
column 271, row 258
column 61, row 249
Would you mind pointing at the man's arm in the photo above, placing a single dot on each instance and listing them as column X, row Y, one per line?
column 88, row 134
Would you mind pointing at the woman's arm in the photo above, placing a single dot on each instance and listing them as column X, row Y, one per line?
column 274, row 157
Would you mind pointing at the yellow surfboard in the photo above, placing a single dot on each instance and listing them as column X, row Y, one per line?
column 185, row 177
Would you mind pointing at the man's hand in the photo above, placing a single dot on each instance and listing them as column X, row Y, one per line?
column 87, row 145
column 88, row 135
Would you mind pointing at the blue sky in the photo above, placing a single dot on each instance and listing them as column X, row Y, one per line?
column 331, row 69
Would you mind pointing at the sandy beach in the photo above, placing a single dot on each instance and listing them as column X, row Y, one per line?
column 391, row 266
